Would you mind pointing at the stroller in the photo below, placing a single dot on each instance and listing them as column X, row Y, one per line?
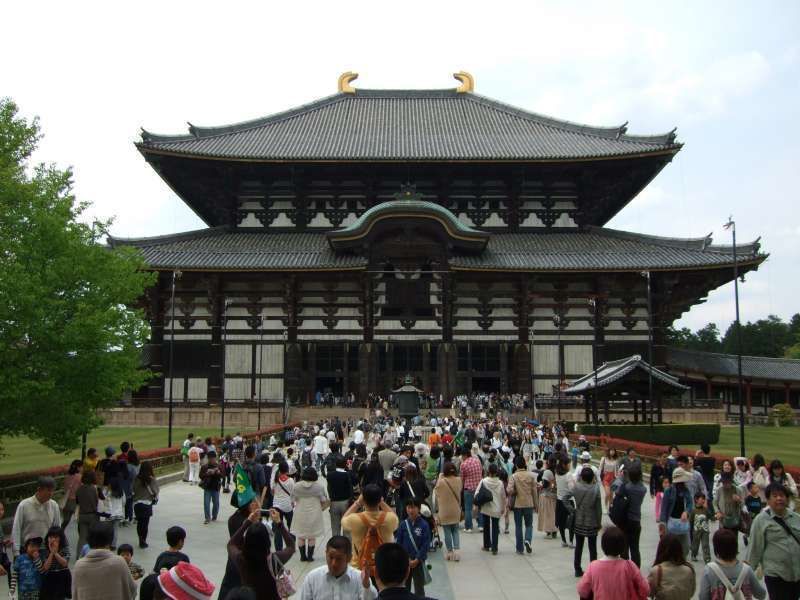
column 427, row 513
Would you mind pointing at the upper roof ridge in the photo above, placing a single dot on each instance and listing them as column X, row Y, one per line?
column 615, row 132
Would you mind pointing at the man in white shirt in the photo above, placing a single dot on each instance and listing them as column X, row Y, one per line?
column 586, row 461
column 35, row 515
column 321, row 450
column 358, row 437
column 337, row 580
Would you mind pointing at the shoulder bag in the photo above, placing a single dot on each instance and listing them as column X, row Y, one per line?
column 786, row 528
column 424, row 566
column 284, row 583
column 482, row 495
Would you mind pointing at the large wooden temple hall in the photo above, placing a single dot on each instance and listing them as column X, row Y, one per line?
column 438, row 233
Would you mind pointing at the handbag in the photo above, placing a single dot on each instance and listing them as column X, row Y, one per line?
column 459, row 498
column 424, row 566
column 745, row 523
column 482, row 496
column 677, row 526
column 284, row 583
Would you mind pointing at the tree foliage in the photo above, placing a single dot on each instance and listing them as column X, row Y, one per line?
column 69, row 343
column 770, row 337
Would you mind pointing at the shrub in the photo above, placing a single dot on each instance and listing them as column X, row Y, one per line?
column 782, row 414
column 662, row 434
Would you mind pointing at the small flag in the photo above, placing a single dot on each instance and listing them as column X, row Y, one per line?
column 729, row 224
column 244, row 489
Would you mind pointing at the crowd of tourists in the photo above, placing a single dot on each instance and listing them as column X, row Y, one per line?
column 391, row 492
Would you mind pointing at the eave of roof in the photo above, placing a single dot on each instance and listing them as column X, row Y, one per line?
column 725, row 365
column 407, row 125
column 595, row 250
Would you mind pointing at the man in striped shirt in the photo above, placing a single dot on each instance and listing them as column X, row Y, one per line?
column 471, row 475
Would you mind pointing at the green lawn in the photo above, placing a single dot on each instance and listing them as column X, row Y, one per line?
column 24, row 454
column 772, row 442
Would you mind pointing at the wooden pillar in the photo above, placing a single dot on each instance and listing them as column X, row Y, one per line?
column 709, row 393
column 312, row 373
column 426, row 367
column 469, row 367
column 503, row 367
column 748, row 386
column 787, row 398
column 346, row 371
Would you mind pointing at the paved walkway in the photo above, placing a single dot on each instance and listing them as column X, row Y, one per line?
column 547, row 572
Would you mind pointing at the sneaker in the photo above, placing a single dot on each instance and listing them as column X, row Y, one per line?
column 465, row 530
column 505, row 530
column 694, row 559
column 571, row 545
column 528, row 548
column 456, row 556
column 205, row 522
column 579, row 573
column 494, row 552
column 480, row 529
column 143, row 545
column 520, row 552
column 485, row 549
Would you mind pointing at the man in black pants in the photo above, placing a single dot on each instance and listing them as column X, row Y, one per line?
column 636, row 491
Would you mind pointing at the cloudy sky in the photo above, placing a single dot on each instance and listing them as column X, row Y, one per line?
column 727, row 74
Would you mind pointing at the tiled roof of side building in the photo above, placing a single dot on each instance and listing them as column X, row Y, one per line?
column 613, row 371
column 402, row 125
column 753, row 367
column 595, row 249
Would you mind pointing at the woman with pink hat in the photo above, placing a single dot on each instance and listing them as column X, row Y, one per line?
column 184, row 581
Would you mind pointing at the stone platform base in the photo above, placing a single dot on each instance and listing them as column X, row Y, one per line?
column 246, row 418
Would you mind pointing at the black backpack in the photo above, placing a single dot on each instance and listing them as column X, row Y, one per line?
column 618, row 513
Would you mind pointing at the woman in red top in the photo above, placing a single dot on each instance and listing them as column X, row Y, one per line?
column 613, row 577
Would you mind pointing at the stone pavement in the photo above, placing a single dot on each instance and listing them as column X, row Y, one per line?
column 546, row 574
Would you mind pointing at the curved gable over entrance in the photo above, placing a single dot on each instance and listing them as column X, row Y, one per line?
column 412, row 217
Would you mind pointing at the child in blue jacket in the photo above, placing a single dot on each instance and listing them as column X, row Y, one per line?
column 414, row 535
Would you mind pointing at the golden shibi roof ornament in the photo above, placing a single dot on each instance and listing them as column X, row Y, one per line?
column 344, row 82
column 346, row 79
column 467, row 82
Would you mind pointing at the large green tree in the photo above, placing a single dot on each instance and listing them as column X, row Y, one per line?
column 765, row 337
column 69, row 341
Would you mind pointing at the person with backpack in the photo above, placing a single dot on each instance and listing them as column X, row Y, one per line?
column 775, row 544
column 727, row 577
column 371, row 522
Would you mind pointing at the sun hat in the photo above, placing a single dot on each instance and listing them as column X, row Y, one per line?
column 680, row 475
column 185, row 581
column 585, row 455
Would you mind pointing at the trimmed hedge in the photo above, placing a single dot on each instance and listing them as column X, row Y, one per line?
column 660, row 434
column 650, row 452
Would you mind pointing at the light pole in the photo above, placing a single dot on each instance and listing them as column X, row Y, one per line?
column 731, row 224
column 224, row 366
column 558, row 321
column 646, row 275
column 260, row 362
column 175, row 276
